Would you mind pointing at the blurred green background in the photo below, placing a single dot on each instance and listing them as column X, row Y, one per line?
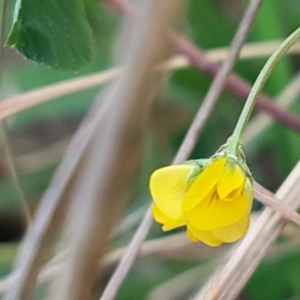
column 39, row 135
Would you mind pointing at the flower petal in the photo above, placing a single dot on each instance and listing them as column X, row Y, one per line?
column 167, row 189
column 231, row 179
column 203, row 236
column 233, row 232
column 203, row 185
column 215, row 213
column 234, row 194
column 249, row 193
column 191, row 236
column 168, row 224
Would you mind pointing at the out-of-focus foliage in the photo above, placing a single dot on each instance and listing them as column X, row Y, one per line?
column 53, row 33
column 276, row 278
column 210, row 24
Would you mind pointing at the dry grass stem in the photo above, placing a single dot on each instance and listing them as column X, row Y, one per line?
column 269, row 199
column 248, row 51
column 128, row 258
column 121, row 137
column 180, row 286
column 248, row 254
column 132, row 220
column 183, row 284
column 179, row 248
column 41, row 158
column 16, row 104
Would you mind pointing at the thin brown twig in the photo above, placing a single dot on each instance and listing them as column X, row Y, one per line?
column 187, row 145
column 249, row 51
column 269, row 199
column 252, row 50
column 236, row 85
column 16, row 104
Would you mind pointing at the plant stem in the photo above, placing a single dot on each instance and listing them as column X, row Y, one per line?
column 235, row 140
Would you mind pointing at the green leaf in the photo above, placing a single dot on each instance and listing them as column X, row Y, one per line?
column 53, row 32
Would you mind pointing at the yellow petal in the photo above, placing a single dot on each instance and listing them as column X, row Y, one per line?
column 249, row 193
column 212, row 214
column 190, row 200
column 233, row 232
column 234, row 194
column 168, row 224
column 203, row 185
column 231, row 179
column 167, row 189
column 204, row 236
column 191, row 236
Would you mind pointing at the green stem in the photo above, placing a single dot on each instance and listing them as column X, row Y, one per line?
column 235, row 140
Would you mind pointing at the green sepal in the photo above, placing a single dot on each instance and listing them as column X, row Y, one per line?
column 199, row 166
column 238, row 158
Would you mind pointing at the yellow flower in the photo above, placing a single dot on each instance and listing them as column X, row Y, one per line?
column 214, row 202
